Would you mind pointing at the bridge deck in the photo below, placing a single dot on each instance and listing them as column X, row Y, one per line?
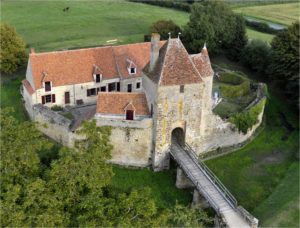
column 207, row 187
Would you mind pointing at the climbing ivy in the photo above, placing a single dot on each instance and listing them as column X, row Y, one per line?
column 246, row 119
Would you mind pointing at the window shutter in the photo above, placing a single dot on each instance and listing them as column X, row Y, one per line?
column 88, row 92
column 53, row 98
column 43, row 99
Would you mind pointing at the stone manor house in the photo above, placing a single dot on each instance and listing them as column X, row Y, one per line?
column 150, row 93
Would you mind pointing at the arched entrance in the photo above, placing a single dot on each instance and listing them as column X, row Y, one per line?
column 178, row 136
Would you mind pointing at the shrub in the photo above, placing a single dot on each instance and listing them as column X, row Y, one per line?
column 13, row 52
column 163, row 27
column 237, row 85
column 247, row 119
column 56, row 108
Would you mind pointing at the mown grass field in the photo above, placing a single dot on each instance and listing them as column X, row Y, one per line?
column 45, row 26
column 255, row 35
column 284, row 14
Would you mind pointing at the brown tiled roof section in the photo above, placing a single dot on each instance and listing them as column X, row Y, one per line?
column 202, row 63
column 116, row 102
column 77, row 66
column 174, row 66
column 28, row 87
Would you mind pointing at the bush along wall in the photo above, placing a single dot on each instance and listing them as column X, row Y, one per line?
column 262, row 27
column 237, row 85
column 248, row 118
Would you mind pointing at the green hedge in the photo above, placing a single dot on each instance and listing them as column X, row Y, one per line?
column 245, row 120
column 238, row 85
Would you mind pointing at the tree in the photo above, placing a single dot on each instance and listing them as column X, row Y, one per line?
column 182, row 216
column 25, row 198
column 12, row 49
column 256, row 55
column 285, row 58
column 163, row 27
column 285, row 53
column 214, row 22
column 84, row 169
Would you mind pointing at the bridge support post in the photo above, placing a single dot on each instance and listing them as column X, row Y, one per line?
column 182, row 181
column 199, row 200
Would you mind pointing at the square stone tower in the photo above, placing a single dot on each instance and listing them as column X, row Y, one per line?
column 178, row 95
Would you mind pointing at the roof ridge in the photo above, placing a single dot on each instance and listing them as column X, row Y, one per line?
column 163, row 64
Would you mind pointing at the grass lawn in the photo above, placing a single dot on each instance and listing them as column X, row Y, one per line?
column 45, row 26
column 252, row 35
column 284, row 14
column 281, row 208
column 162, row 185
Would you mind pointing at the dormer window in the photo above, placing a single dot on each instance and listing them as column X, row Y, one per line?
column 132, row 70
column 98, row 78
column 47, row 86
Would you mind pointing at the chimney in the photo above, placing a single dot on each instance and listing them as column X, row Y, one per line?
column 155, row 38
column 32, row 51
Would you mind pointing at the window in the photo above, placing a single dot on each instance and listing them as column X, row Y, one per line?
column 48, row 99
column 129, row 114
column 132, row 70
column 103, row 88
column 181, row 89
column 67, row 97
column 91, row 92
column 118, row 86
column 98, row 78
column 47, row 86
column 138, row 85
column 151, row 110
column 129, row 88
column 111, row 87
column 79, row 102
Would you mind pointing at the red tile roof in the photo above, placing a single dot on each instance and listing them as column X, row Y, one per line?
column 117, row 102
column 27, row 86
column 202, row 63
column 174, row 66
column 77, row 66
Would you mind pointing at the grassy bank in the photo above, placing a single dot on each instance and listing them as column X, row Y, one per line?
column 252, row 35
column 284, row 14
column 45, row 26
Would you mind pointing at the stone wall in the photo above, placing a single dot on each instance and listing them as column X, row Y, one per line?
column 131, row 141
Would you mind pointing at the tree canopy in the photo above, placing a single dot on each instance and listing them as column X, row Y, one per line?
column 12, row 49
column 214, row 23
column 75, row 189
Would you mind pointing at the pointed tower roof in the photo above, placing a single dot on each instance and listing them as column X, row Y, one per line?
column 202, row 62
column 174, row 66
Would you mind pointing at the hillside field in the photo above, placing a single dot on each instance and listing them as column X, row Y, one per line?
column 284, row 14
column 45, row 26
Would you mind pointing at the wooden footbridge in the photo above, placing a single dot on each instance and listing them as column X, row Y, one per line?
column 211, row 188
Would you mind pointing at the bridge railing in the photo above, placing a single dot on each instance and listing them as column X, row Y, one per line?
column 198, row 186
column 223, row 190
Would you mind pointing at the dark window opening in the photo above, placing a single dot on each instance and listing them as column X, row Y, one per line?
column 118, row 86
column 67, row 97
column 129, row 88
column 91, row 92
column 103, row 88
column 53, row 98
column 111, row 87
column 98, row 89
column 47, row 86
column 47, row 99
column 138, row 85
column 98, row 78
column 129, row 114
column 132, row 70
column 181, row 89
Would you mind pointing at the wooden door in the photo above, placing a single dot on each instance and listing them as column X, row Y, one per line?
column 67, row 97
